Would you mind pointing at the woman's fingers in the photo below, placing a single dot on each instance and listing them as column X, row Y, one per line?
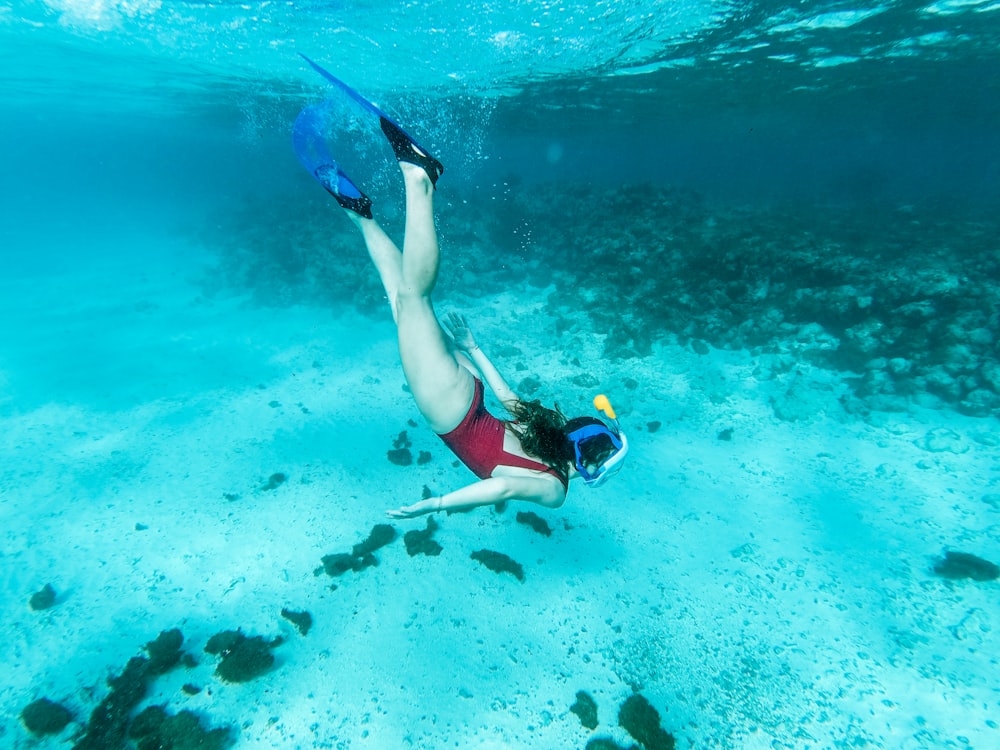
column 408, row 511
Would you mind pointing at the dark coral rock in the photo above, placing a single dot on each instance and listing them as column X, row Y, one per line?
column 165, row 652
column 419, row 542
column 109, row 721
column 147, row 721
column 188, row 689
column 243, row 658
column 654, row 425
column 637, row 717
column 250, row 659
column 381, row 535
column 400, row 456
column 340, row 563
column 957, row 565
column 535, row 521
column 274, row 481
column 222, row 642
column 586, row 709
column 529, row 385
column 361, row 556
column 498, row 562
column 367, row 560
column 184, row 730
column 43, row 599
column 423, row 458
column 302, row 620
column 605, row 743
column 155, row 729
column 45, row 717
column 726, row 434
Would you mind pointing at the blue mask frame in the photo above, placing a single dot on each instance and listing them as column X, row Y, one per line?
column 588, row 432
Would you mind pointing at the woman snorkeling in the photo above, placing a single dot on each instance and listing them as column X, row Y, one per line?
column 531, row 457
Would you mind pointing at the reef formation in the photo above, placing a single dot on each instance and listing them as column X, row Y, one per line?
column 900, row 299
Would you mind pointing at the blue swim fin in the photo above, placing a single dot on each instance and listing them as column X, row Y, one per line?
column 403, row 145
column 310, row 146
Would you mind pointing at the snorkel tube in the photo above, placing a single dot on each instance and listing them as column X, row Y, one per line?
column 602, row 404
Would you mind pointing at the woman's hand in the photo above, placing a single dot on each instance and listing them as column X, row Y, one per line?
column 460, row 331
column 429, row 505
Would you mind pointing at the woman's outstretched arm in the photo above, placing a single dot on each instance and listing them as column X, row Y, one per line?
column 488, row 491
column 462, row 335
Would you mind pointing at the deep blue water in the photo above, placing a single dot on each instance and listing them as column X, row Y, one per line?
column 148, row 109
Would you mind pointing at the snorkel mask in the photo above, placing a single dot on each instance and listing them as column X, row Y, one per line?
column 592, row 433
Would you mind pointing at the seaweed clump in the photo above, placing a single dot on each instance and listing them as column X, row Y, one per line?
column 400, row 453
column 274, row 481
column 638, row 717
column 535, row 521
column 44, row 598
column 301, row 620
column 361, row 555
column 155, row 729
column 498, row 562
column 381, row 535
column 419, row 542
column 603, row 743
column 109, row 721
column 242, row 658
column 43, row 716
column 165, row 651
column 586, row 708
column 958, row 565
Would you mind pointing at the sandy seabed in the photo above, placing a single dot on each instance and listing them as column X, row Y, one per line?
column 763, row 582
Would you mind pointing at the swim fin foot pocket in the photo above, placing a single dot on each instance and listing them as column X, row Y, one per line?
column 344, row 191
column 406, row 150
column 309, row 138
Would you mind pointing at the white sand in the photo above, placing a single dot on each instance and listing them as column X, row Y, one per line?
column 772, row 591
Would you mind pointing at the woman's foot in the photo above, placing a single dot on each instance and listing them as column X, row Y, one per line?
column 416, row 179
column 343, row 190
column 407, row 151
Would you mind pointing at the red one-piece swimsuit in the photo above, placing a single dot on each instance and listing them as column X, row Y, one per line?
column 478, row 442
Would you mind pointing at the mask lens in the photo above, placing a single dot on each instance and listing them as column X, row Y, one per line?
column 594, row 445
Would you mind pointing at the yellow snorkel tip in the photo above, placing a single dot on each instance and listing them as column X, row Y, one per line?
column 602, row 404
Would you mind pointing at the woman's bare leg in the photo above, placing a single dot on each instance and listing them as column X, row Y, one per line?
column 441, row 387
column 384, row 254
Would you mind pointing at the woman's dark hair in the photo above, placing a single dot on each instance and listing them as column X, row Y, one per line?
column 596, row 450
column 542, row 432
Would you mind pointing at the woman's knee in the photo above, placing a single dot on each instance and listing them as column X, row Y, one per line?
column 410, row 299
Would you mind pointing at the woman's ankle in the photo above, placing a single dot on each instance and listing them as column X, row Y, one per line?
column 416, row 177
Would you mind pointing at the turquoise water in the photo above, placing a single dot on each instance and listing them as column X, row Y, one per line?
column 767, row 230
